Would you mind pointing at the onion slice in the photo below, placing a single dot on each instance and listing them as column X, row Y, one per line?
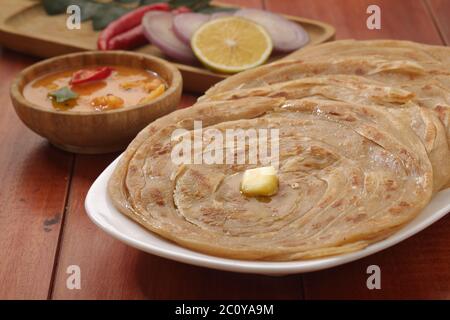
column 185, row 25
column 158, row 28
column 286, row 35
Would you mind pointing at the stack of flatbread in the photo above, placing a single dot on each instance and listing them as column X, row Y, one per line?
column 364, row 133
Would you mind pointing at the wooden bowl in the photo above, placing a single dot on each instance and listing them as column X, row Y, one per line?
column 95, row 132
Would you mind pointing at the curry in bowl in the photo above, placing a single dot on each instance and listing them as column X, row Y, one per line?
column 95, row 88
column 66, row 99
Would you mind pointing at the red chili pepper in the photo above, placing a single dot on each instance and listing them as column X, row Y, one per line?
column 129, row 39
column 127, row 22
column 181, row 9
column 87, row 75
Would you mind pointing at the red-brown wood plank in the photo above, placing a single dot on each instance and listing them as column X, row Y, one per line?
column 440, row 10
column 418, row 267
column 34, row 177
column 404, row 19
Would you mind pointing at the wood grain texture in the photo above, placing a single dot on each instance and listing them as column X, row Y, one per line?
column 440, row 10
column 404, row 19
column 34, row 178
column 418, row 267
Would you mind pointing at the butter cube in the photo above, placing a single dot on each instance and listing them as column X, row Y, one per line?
column 260, row 182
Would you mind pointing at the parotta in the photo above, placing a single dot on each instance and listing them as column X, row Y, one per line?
column 363, row 145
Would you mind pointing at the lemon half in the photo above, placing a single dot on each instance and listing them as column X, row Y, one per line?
column 231, row 44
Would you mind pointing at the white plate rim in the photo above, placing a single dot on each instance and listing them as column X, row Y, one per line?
column 244, row 266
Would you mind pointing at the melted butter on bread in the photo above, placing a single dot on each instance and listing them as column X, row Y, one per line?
column 261, row 181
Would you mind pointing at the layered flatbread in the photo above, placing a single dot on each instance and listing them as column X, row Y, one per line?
column 362, row 134
column 346, row 180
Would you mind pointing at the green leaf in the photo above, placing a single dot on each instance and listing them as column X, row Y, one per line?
column 194, row 5
column 212, row 9
column 55, row 7
column 146, row 2
column 126, row 1
column 63, row 94
column 107, row 14
column 101, row 13
column 89, row 9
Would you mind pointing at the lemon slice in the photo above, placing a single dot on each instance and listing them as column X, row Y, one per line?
column 231, row 44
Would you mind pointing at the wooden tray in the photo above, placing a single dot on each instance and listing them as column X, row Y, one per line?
column 25, row 27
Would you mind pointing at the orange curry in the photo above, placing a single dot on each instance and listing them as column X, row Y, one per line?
column 95, row 88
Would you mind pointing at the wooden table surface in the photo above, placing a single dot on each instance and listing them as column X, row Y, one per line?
column 44, row 227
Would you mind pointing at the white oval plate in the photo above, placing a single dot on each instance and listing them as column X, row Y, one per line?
column 103, row 213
